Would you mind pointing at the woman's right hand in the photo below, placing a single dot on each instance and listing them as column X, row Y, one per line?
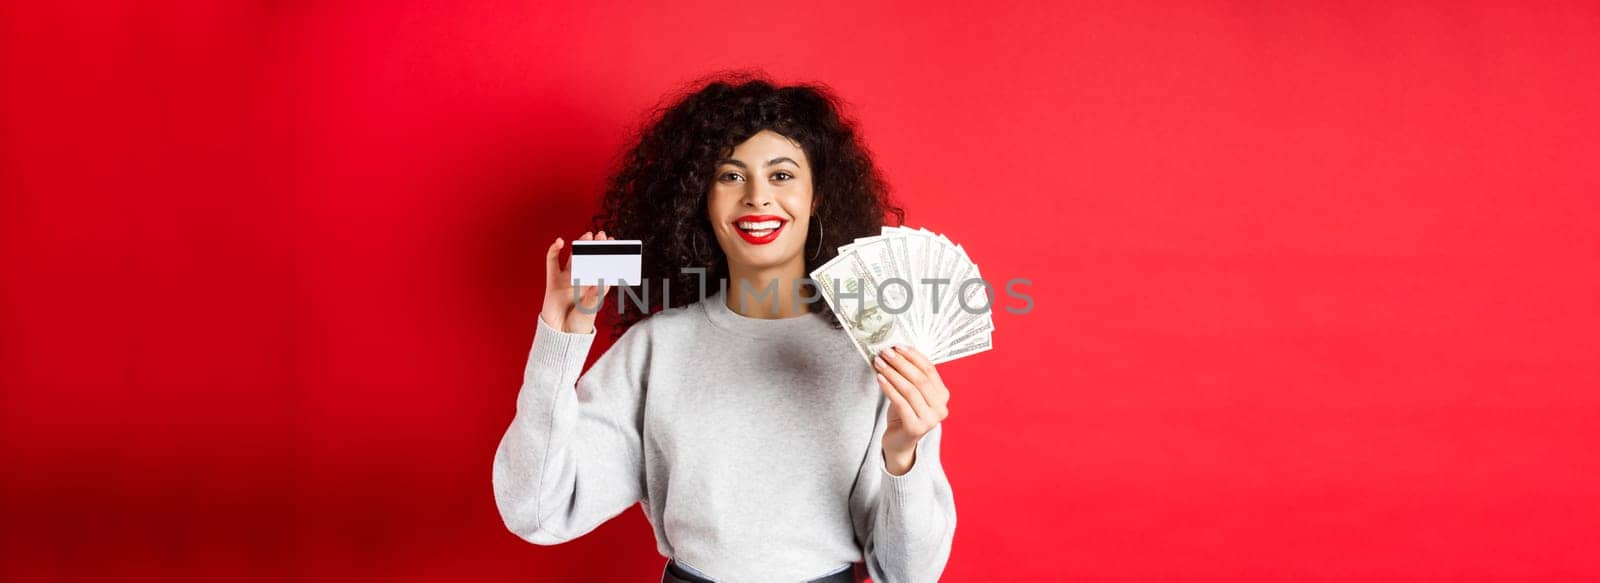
column 560, row 312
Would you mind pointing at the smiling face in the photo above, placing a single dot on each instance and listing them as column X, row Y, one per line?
column 760, row 203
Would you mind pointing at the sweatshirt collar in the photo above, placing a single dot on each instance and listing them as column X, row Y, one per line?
column 716, row 309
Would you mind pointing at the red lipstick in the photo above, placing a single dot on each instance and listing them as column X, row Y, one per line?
column 770, row 236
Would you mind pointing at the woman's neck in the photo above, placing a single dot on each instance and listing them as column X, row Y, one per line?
column 766, row 293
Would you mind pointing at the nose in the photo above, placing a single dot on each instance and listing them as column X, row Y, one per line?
column 758, row 195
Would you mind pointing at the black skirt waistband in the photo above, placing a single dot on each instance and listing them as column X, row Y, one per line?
column 672, row 573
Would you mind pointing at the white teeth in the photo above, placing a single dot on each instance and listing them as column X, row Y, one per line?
column 760, row 233
column 759, row 225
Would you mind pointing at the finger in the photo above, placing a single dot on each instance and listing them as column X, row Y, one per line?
column 905, row 367
column 601, row 236
column 940, row 393
column 932, row 390
column 908, row 390
column 901, row 407
column 586, row 296
column 598, row 290
column 920, row 359
column 552, row 259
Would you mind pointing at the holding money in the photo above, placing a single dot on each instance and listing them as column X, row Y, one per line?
column 908, row 286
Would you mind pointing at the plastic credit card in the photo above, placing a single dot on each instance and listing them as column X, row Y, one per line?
column 616, row 262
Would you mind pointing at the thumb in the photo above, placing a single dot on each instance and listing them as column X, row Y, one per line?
column 552, row 259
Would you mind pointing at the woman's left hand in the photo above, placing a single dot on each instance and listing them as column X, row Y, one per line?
column 918, row 402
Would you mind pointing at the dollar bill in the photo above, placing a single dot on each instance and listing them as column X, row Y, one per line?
column 909, row 286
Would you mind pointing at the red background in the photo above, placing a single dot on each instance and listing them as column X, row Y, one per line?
column 1316, row 287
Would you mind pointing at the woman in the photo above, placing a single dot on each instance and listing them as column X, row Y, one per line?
column 743, row 424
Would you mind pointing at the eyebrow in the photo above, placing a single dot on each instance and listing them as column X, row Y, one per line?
column 774, row 161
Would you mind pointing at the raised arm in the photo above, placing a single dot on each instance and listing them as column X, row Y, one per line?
column 905, row 524
column 572, row 457
column 905, row 517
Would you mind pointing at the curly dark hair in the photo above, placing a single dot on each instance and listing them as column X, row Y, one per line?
column 659, row 192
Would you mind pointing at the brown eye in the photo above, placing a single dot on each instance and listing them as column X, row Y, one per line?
column 782, row 176
column 731, row 176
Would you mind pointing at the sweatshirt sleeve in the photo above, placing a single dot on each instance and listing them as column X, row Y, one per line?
column 573, row 455
column 905, row 524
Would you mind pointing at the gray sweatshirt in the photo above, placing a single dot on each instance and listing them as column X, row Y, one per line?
column 754, row 448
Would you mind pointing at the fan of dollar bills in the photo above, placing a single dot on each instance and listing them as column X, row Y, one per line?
column 911, row 287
